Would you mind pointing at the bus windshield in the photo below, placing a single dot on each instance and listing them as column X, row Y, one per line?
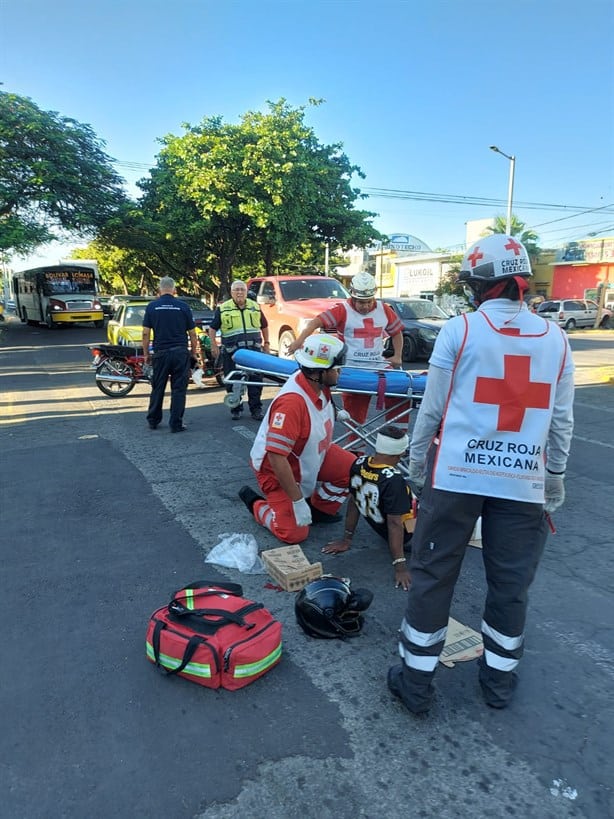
column 62, row 282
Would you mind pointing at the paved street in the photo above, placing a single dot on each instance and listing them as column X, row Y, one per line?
column 101, row 519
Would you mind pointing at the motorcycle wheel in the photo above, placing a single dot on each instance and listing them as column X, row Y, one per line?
column 115, row 366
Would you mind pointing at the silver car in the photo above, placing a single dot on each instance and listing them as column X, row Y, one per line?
column 572, row 313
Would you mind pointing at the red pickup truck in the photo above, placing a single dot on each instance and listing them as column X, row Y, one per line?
column 290, row 302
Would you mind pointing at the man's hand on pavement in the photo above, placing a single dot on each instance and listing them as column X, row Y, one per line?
column 402, row 577
column 335, row 547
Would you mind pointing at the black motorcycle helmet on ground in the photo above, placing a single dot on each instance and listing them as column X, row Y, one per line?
column 329, row 608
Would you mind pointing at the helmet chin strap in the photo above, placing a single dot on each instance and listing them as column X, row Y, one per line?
column 317, row 380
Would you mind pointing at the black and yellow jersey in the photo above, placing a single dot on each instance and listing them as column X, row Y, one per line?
column 379, row 490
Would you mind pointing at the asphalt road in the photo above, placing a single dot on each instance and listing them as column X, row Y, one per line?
column 101, row 519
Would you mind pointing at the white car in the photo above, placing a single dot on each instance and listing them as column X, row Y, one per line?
column 572, row 313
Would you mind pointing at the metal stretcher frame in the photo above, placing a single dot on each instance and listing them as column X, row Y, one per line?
column 248, row 361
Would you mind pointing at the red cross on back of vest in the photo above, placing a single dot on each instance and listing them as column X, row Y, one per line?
column 514, row 394
column 328, row 436
column 369, row 331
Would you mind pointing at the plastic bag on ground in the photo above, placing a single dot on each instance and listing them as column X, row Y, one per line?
column 237, row 551
column 197, row 377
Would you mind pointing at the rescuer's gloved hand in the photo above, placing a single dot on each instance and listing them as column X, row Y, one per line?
column 554, row 491
column 302, row 512
column 416, row 477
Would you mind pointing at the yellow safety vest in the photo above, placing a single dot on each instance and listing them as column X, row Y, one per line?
column 240, row 328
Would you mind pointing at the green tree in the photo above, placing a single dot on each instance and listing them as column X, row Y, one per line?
column 260, row 189
column 448, row 283
column 53, row 174
column 121, row 270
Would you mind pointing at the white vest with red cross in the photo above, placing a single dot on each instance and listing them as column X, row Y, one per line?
column 319, row 435
column 364, row 336
column 495, row 427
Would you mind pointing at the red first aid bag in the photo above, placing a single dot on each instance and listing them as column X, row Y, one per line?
column 210, row 634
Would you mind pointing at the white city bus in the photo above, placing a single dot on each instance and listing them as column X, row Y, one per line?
column 59, row 294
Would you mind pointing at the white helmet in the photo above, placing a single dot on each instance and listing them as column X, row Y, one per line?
column 321, row 352
column 494, row 258
column 363, row 286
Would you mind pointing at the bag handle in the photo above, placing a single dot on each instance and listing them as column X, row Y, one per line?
column 230, row 588
column 198, row 619
column 189, row 652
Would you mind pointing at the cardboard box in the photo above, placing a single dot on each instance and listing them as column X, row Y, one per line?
column 462, row 644
column 289, row 567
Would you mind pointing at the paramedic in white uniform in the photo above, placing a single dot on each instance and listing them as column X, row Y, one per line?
column 491, row 439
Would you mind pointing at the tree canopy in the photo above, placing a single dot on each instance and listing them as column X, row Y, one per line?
column 259, row 192
column 53, row 174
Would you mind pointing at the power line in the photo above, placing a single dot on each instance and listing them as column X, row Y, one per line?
column 481, row 201
column 573, row 216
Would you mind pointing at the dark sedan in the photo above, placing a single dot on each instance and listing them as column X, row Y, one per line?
column 107, row 307
column 422, row 321
column 203, row 316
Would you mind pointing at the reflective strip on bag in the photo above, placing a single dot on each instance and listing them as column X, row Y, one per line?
column 189, row 598
column 250, row 669
column 196, row 669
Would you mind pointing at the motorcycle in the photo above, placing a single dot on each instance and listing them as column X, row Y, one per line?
column 119, row 368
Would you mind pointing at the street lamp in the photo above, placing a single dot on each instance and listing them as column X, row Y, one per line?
column 510, row 189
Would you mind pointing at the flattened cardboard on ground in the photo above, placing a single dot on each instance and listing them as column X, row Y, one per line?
column 476, row 536
column 462, row 644
column 290, row 568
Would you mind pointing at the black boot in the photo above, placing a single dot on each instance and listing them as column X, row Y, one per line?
column 414, row 688
column 249, row 497
column 498, row 687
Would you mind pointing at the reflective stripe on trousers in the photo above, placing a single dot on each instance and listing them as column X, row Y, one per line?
column 514, row 534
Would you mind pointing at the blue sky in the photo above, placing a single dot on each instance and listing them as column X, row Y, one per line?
column 416, row 91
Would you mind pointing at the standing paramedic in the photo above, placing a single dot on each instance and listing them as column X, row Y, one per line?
column 302, row 474
column 242, row 326
column 363, row 323
column 379, row 493
column 171, row 321
column 491, row 438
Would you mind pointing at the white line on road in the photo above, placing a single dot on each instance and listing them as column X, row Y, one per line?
column 592, row 406
column 593, row 441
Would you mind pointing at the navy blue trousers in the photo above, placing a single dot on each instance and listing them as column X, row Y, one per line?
column 173, row 364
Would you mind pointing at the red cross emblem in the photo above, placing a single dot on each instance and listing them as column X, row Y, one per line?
column 328, row 435
column 513, row 245
column 475, row 257
column 515, row 393
column 369, row 331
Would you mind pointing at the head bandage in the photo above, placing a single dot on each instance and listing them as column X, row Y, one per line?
column 391, row 446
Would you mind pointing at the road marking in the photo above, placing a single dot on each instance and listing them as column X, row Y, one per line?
column 592, row 406
column 578, row 645
column 593, row 441
column 244, row 432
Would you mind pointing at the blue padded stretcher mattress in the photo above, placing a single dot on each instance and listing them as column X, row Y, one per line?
column 351, row 379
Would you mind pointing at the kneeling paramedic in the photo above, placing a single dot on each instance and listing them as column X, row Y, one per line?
column 302, row 474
